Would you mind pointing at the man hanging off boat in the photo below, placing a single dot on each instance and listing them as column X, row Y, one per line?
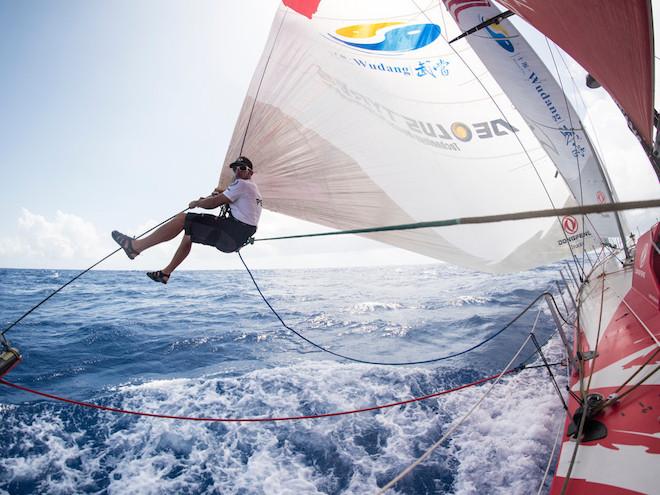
column 226, row 233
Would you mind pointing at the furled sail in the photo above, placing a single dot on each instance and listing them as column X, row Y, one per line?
column 360, row 114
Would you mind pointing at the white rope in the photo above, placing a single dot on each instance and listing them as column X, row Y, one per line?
column 560, row 430
column 552, row 455
column 453, row 428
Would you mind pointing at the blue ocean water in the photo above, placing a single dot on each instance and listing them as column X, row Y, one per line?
column 207, row 345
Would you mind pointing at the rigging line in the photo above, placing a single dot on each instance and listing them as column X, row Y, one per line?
column 576, row 91
column 583, row 391
column 575, row 148
column 552, row 377
column 614, row 397
column 83, row 272
column 263, row 419
column 451, row 430
column 493, row 20
column 560, row 429
column 364, row 361
column 505, row 217
column 536, row 352
column 639, row 383
column 444, row 24
column 525, row 151
column 554, row 303
column 261, row 80
column 599, row 159
column 592, row 366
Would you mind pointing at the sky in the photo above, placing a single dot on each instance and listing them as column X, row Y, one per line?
column 115, row 114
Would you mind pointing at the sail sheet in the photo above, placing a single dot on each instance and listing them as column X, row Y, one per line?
column 612, row 40
column 360, row 114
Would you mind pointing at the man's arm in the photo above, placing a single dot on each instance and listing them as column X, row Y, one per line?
column 209, row 202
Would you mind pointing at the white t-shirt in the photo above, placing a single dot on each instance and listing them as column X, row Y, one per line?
column 245, row 201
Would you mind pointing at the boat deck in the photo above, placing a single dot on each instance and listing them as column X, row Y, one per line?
column 619, row 320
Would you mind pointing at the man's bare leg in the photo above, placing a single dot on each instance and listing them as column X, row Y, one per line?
column 163, row 233
column 181, row 254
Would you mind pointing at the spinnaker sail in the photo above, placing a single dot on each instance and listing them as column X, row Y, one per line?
column 361, row 114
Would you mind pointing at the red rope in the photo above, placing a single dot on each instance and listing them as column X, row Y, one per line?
column 249, row 420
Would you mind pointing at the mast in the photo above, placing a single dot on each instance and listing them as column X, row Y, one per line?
column 612, row 198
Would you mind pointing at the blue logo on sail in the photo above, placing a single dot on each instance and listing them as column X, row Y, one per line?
column 382, row 37
column 500, row 35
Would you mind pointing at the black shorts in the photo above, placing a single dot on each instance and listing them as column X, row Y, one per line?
column 226, row 234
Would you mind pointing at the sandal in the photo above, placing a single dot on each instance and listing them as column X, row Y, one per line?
column 159, row 276
column 126, row 243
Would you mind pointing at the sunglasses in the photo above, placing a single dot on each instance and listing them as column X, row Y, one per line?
column 242, row 167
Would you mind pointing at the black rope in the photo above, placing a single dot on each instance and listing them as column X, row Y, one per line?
column 552, row 376
column 534, row 366
column 406, row 363
column 80, row 275
column 554, row 303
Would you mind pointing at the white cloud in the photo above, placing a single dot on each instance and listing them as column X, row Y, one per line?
column 70, row 241
column 50, row 242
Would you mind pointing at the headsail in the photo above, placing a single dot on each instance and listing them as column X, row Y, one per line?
column 542, row 103
column 613, row 41
column 365, row 116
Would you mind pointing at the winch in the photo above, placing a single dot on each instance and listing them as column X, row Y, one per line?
column 9, row 357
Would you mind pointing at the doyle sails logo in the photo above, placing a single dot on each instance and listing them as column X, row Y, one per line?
column 500, row 35
column 387, row 36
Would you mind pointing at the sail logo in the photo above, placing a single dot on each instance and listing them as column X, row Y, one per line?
column 500, row 35
column 569, row 224
column 387, row 36
column 571, row 237
column 461, row 131
column 448, row 136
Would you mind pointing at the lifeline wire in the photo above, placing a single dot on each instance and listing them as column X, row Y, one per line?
column 266, row 419
column 83, row 272
column 406, row 363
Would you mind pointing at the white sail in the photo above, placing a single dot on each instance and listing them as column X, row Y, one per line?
column 542, row 103
column 365, row 117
